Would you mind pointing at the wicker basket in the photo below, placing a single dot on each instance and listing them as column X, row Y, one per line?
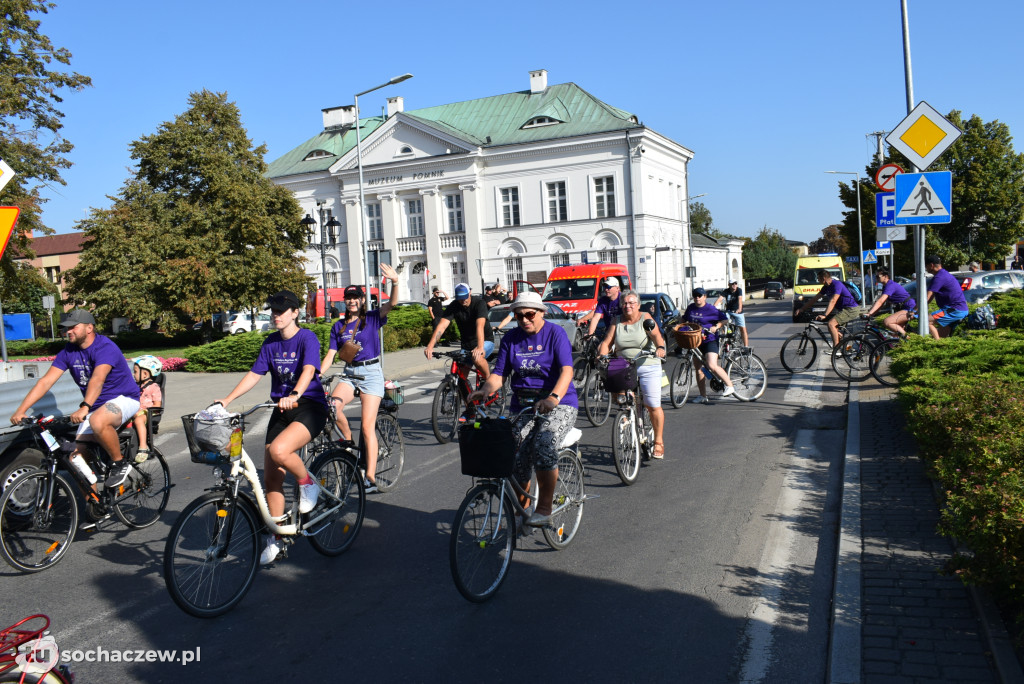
column 688, row 335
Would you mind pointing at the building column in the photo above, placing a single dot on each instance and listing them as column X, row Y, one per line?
column 353, row 250
column 391, row 220
column 432, row 225
column 472, row 206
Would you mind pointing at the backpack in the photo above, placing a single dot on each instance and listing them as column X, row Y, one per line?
column 982, row 318
column 854, row 290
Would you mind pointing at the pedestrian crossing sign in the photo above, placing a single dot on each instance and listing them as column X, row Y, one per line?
column 924, row 198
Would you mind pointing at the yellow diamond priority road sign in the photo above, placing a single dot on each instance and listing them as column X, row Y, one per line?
column 8, row 217
column 923, row 135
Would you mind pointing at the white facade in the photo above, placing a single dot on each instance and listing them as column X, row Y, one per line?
column 476, row 213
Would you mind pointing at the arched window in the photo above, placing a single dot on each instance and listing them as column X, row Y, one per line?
column 538, row 121
column 404, row 151
column 317, row 154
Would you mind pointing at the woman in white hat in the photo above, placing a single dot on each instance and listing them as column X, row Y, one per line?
column 539, row 357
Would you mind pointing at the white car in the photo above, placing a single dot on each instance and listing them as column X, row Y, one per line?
column 242, row 323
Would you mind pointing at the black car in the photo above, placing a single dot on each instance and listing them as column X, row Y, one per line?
column 774, row 290
column 664, row 312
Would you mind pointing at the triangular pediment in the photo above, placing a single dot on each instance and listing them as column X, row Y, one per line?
column 403, row 139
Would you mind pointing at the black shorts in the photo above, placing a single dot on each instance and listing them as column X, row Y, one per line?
column 709, row 347
column 310, row 413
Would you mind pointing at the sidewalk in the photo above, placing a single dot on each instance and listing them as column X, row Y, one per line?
column 896, row 617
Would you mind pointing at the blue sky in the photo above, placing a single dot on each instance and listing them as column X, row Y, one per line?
column 768, row 95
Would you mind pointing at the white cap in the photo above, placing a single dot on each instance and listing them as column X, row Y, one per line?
column 529, row 300
column 611, row 282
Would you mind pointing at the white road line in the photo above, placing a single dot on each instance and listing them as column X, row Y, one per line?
column 805, row 387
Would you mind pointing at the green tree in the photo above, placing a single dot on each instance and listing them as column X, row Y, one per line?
column 198, row 229
column 700, row 218
column 768, row 256
column 831, row 240
column 30, row 124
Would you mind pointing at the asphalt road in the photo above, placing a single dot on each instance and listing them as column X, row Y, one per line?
column 716, row 566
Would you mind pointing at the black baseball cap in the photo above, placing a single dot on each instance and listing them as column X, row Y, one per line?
column 77, row 316
column 285, row 299
column 699, row 292
column 353, row 292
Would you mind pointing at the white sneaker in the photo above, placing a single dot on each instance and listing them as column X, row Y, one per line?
column 699, row 400
column 308, row 496
column 270, row 551
column 728, row 391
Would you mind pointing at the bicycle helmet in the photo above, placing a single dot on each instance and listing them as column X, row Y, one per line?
column 150, row 363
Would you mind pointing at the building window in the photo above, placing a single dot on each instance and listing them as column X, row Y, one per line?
column 540, row 121
column 458, row 273
column 604, row 196
column 510, row 206
column 53, row 274
column 414, row 209
column 557, row 207
column 332, row 279
column 559, row 260
column 513, row 269
column 607, row 256
column 453, row 203
column 374, row 222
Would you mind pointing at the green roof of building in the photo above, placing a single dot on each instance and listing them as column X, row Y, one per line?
column 486, row 122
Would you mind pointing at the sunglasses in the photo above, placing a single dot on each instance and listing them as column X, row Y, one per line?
column 278, row 312
column 528, row 314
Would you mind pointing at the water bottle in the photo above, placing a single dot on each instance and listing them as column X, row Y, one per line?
column 235, row 444
column 83, row 467
column 209, row 457
column 707, row 373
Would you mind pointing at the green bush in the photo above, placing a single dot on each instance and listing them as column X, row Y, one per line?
column 1009, row 308
column 151, row 339
column 36, row 347
column 235, row 353
column 410, row 317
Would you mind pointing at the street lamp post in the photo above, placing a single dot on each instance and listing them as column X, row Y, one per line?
column 328, row 238
column 362, row 202
column 860, row 230
column 689, row 241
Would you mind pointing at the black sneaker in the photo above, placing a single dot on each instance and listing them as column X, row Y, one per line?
column 369, row 485
column 119, row 472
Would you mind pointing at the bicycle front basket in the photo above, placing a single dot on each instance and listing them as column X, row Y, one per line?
column 209, row 435
column 488, row 447
column 688, row 335
column 619, row 375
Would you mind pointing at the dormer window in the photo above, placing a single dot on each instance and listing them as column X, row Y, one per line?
column 404, row 151
column 538, row 121
column 317, row 154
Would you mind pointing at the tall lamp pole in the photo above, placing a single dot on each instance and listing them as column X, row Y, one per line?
column 860, row 230
column 689, row 240
column 328, row 238
column 362, row 202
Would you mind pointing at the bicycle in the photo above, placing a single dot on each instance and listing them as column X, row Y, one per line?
column 452, row 392
column 745, row 369
column 39, row 510
column 800, row 350
column 851, row 358
column 590, row 385
column 29, row 654
column 390, row 438
column 632, row 431
column 212, row 552
column 485, row 529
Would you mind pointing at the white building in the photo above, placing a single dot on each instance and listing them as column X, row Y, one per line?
column 500, row 188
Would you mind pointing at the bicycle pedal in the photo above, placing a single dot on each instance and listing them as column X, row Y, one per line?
column 95, row 525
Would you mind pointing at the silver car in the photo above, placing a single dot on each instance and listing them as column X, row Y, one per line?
column 980, row 285
column 554, row 315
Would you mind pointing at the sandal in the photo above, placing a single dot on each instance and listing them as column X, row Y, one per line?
column 659, row 450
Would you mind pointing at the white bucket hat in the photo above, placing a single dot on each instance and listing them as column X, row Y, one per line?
column 529, row 300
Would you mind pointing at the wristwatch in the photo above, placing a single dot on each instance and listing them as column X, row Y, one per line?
column 85, row 405
column 293, row 393
column 552, row 394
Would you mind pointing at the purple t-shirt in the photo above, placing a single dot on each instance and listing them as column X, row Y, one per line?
column 285, row 360
column 83, row 362
column 608, row 308
column 899, row 296
column 369, row 336
column 536, row 361
column 706, row 316
column 948, row 293
column 846, row 300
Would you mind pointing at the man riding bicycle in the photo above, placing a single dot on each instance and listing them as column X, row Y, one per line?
column 948, row 294
column 608, row 308
column 470, row 313
column 840, row 302
column 105, row 378
column 733, row 298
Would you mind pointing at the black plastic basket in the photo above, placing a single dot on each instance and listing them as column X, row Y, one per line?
column 487, row 447
column 619, row 375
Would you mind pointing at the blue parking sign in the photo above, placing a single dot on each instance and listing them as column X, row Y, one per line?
column 885, row 209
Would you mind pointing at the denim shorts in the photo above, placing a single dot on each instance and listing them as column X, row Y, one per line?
column 372, row 382
column 737, row 319
column 947, row 316
column 648, row 376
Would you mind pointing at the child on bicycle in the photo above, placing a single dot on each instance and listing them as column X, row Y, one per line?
column 146, row 369
column 292, row 356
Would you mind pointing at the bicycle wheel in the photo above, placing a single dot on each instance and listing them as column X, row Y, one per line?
column 851, row 358
column 597, row 401
column 646, row 430
column 798, row 352
column 34, row 535
column 337, row 473
column 681, row 383
column 625, row 447
column 482, row 543
column 444, row 414
column 567, row 505
column 748, row 375
column 146, row 492
column 211, row 555
column 390, row 451
column 879, row 362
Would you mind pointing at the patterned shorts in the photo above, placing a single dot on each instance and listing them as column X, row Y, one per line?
column 539, row 441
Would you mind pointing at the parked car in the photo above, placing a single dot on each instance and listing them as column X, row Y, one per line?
column 554, row 315
column 242, row 323
column 995, row 281
column 774, row 290
column 420, row 305
column 664, row 312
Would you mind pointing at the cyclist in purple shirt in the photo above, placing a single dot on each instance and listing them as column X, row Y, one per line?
column 948, row 294
column 540, row 358
column 608, row 308
column 292, row 356
column 363, row 328
column 840, row 302
column 902, row 301
column 101, row 371
column 710, row 318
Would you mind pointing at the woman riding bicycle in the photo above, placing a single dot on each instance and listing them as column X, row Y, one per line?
column 360, row 329
column 540, row 356
column 292, row 356
column 629, row 338
column 904, row 304
column 711, row 320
